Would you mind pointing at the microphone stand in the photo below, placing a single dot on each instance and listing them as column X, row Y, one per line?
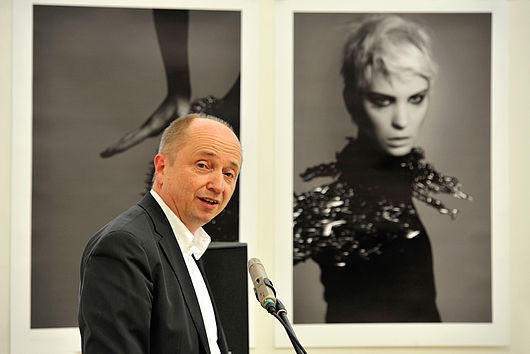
column 272, row 304
column 280, row 313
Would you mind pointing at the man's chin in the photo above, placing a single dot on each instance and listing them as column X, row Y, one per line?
column 207, row 217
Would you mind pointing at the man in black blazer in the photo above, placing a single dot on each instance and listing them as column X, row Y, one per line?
column 142, row 289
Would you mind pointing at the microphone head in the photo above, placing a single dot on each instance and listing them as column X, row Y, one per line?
column 263, row 287
column 256, row 269
column 253, row 261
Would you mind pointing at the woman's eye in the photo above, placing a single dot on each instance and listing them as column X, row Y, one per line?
column 379, row 101
column 417, row 99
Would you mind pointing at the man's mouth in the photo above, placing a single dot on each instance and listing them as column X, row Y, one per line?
column 209, row 201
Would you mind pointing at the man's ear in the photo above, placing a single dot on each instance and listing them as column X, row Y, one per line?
column 160, row 165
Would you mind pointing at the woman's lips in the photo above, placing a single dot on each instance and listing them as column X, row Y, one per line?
column 398, row 141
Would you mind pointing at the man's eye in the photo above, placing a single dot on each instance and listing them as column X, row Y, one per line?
column 417, row 99
column 229, row 174
column 201, row 165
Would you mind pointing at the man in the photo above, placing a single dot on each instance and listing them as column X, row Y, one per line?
column 141, row 287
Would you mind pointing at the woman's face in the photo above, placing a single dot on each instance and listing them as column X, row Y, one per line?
column 394, row 111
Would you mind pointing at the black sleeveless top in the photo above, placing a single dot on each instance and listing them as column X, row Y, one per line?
column 364, row 232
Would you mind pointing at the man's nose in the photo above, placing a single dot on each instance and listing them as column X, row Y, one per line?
column 216, row 182
column 400, row 118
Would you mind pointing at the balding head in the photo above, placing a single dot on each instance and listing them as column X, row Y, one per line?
column 197, row 168
column 175, row 134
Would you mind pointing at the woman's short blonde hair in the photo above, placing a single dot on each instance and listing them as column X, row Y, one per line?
column 389, row 45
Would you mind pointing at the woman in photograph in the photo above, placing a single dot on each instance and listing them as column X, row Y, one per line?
column 363, row 229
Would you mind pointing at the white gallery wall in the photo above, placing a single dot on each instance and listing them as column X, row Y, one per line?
column 519, row 161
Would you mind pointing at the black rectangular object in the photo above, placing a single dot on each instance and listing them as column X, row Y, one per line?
column 225, row 265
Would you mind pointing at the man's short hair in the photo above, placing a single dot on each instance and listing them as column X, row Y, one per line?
column 177, row 131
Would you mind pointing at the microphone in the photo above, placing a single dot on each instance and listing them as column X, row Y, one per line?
column 266, row 296
column 263, row 287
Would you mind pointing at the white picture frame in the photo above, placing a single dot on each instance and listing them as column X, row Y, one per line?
column 25, row 339
column 318, row 335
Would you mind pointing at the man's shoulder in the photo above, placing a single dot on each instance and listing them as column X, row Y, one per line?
column 130, row 220
column 134, row 224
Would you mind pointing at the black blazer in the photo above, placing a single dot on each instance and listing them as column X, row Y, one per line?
column 136, row 295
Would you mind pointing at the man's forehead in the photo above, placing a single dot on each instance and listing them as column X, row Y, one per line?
column 213, row 138
column 232, row 156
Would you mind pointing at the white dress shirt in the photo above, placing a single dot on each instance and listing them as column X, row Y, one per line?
column 194, row 246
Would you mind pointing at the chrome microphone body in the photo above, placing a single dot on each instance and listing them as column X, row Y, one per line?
column 263, row 287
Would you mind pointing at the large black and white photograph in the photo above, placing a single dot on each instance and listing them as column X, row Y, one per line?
column 391, row 169
column 105, row 82
column 403, row 162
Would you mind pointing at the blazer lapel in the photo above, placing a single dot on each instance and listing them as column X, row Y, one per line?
column 169, row 245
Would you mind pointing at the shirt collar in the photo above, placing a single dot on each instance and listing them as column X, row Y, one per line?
column 192, row 244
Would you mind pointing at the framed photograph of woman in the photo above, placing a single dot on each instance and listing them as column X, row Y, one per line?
column 395, row 234
column 95, row 84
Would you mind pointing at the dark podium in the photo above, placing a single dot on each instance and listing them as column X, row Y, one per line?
column 225, row 264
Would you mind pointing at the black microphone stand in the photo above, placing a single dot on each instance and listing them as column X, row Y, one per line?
column 280, row 313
